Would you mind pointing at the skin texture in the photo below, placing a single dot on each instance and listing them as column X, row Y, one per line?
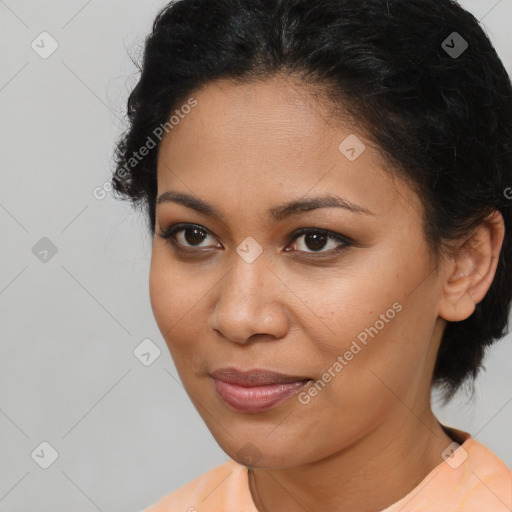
column 369, row 436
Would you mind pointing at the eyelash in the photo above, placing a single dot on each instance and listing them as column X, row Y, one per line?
column 169, row 236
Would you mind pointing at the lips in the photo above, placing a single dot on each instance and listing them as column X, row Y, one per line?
column 255, row 390
column 255, row 377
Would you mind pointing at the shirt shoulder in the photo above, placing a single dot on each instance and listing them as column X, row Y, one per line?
column 471, row 479
column 487, row 480
column 223, row 488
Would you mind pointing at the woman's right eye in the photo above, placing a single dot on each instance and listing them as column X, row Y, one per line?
column 182, row 234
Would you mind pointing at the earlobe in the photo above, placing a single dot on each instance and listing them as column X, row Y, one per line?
column 470, row 272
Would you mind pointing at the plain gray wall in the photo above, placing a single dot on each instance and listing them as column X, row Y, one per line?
column 125, row 433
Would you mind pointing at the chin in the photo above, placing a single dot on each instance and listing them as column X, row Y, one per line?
column 261, row 452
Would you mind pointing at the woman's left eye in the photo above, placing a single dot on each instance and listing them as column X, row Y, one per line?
column 314, row 239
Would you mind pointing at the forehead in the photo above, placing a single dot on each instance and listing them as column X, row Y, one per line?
column 271, row 141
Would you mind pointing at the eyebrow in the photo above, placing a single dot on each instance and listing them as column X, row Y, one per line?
column 278, row 213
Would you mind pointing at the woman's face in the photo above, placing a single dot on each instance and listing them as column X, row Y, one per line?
column 359, row 318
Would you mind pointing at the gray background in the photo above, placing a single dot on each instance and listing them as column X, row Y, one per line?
column 125, row 433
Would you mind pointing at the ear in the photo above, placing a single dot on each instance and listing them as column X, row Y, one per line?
column 471, row 270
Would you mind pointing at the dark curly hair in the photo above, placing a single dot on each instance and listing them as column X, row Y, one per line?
column 441, row 119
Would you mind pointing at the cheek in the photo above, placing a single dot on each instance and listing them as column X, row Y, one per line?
column 169, row 301
column 161, row 293
column 178, row 297
column 343, row 307
column 378, row 364
column 381, row 332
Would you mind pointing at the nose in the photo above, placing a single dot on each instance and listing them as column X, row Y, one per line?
column 250, row 303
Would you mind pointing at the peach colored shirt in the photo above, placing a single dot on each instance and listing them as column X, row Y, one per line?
column 471, row 479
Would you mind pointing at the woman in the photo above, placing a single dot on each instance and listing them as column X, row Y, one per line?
column 325, row 183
